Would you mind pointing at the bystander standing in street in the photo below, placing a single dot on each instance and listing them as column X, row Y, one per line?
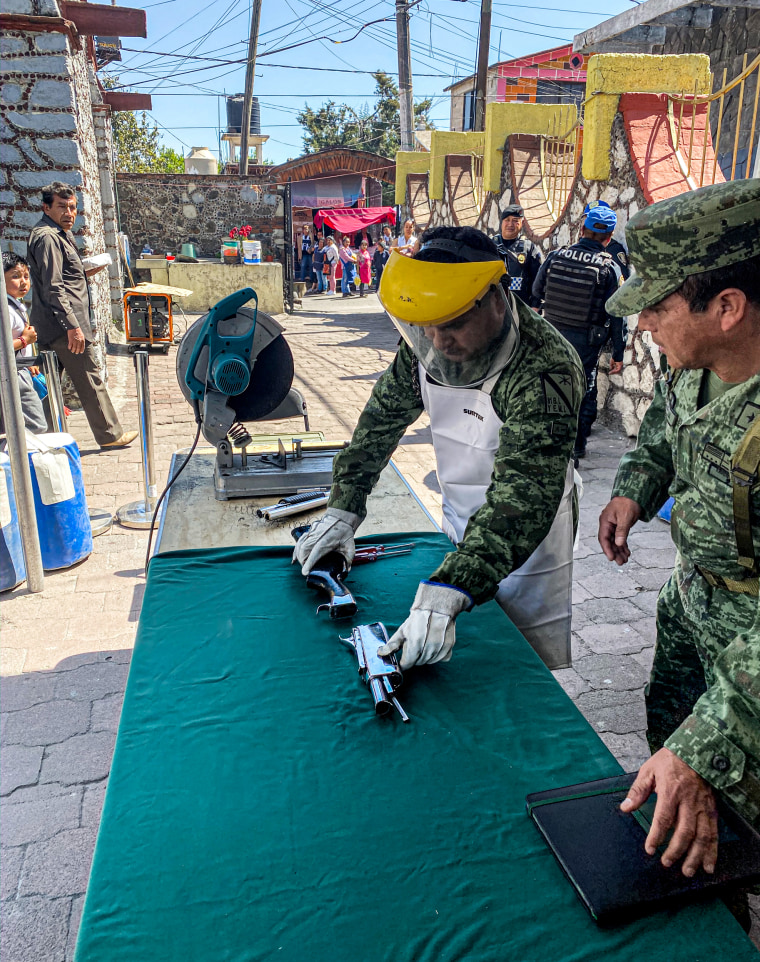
column 365, row 268
column 348, row 261
column 331, row 259
column 379, row 260
column 16, row 271
column 61, row 310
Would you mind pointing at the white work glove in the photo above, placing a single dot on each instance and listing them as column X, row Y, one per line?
column 428, row 635
column 333, row 532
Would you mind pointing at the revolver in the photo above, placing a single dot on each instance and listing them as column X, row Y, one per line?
column 327, row 577
column 380, row 673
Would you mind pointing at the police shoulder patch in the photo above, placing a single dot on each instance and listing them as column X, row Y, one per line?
column 558, row 393
column 623, row 258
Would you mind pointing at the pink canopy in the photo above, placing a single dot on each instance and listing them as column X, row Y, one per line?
column 350, row 220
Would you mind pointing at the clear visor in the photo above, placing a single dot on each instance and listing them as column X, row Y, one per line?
column 467, row 351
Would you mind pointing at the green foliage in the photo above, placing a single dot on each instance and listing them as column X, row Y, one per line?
column 376, row 130
column 138, row 143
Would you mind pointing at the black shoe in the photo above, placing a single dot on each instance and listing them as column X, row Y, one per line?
column 579, row 452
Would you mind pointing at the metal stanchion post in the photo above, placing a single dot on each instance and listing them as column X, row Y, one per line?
column 100, row 519
column 15, row 431
column 55, row 394
column 139, row 514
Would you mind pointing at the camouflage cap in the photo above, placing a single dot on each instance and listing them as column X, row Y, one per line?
column 691, row 233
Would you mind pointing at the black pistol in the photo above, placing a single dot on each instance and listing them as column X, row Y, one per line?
column 327, row 577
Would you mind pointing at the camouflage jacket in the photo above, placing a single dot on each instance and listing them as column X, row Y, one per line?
column 686, row 452
column 537, row 397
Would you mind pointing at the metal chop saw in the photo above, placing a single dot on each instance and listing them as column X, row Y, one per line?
column 234, row 366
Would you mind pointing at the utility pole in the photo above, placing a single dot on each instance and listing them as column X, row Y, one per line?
column 249, row 73
column 406, row 106
column 484, row 45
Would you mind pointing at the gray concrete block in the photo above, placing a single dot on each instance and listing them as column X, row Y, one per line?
column 19, row 765
column 91, row 682
column 82, row 758
column 25, row 690
column 18, row 6
column 48, row 723
column 47, row 8
column 10, row 869
column 30, row 153
column 611, row 671
column 49, row 64
column 50, row 93
column 26, row 218
column 621, row 719
column 630, row 747
column 612, row 611
column 8, row 198
column 50, row 42
column 34, row 929
column 646, row 601
column 571, row 682
column 92, row 806
column 63, row 152
column 612, row 639
column 36, row 821
column 10, row 93
column 43, row 123
column 41, row 178
column 75, row 919
column 106, row 713
column 58, row 866
column 609, row 584
column 10, row 45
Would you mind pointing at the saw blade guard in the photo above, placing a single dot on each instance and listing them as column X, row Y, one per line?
column 204, row 368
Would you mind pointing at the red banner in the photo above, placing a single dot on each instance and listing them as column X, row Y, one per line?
column 354, row 219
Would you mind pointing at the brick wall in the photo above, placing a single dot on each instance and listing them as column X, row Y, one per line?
column 168, row 210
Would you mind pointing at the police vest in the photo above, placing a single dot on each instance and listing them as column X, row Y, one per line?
column 514, row 260
column 576, row 285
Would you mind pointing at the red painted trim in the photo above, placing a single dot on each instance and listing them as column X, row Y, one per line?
column 20, row 21
column 97, row 19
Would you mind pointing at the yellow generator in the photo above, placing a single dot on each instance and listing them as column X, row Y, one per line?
column 148, row 320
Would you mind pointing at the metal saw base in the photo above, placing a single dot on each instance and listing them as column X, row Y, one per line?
column 262, row 476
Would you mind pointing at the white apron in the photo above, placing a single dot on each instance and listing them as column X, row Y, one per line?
column 538, row 596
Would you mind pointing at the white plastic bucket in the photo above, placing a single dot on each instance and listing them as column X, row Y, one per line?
column 251, row 252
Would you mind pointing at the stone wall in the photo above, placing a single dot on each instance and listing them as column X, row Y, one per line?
column 47, row 133
column 168, row 210
column 734, row 32
column 623, row 399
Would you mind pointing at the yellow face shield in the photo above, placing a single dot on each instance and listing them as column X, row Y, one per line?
column 426, row 294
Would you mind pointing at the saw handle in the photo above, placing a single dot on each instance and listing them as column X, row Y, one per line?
column 221, row 311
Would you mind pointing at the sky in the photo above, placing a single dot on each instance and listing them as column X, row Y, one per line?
column 311, row 51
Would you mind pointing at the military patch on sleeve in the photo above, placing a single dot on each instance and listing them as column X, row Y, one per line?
column 623, row 258
column 558, row 393
column 747, row 415
column 719, row 462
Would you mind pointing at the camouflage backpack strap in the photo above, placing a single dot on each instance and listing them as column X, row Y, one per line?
column 744, row 465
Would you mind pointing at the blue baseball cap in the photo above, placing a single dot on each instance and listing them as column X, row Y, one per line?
column 599, row 217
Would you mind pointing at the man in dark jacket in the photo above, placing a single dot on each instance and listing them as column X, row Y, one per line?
column 574, row 284
column 521, row 257
column 61, row 310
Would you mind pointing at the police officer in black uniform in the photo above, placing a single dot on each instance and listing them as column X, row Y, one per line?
column 574, row 284
column 522, row 257
column 618, row 251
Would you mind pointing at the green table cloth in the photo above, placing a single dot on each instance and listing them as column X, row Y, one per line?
column 258, row 810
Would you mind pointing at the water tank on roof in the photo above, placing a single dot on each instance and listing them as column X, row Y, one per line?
column 235, row 114
column 200, row 160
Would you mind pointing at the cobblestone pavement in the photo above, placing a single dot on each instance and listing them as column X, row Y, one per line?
column 65, row 652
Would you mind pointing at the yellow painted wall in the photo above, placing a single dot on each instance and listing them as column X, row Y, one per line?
column 523, row 118
column 445, row 142
column 409, row 162
column 610, row 74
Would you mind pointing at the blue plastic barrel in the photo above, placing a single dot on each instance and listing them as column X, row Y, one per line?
column 65, row 529
column 12, row 570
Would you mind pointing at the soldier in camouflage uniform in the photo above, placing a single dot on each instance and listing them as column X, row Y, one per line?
column 502, row 389
column 697, row 286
